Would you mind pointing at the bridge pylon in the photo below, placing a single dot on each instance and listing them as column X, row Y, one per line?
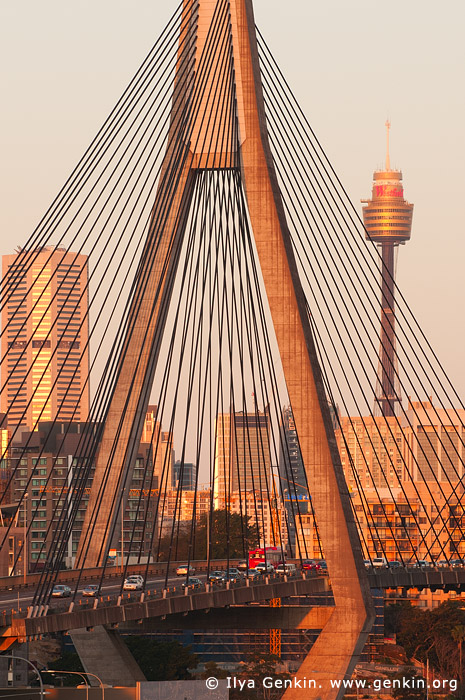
column 218, row 123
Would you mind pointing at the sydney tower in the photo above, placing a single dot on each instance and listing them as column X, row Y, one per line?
column 388, row 222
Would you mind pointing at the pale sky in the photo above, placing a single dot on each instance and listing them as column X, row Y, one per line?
column 351, row 66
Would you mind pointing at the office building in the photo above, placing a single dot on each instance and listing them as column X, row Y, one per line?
column 434, row 443
column 242, row 455
column 162, row 449
column 184, row 475
column 260, row 510
column 371, row 450
column 55, row 451
column 44, row 345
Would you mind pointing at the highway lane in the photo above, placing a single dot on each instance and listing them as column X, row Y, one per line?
column 22, row 599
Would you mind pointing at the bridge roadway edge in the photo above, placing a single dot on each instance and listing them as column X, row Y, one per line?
column 24, row 628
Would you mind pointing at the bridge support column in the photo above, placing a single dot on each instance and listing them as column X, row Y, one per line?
column 104, row 653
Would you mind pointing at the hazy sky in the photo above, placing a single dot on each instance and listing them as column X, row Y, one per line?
column 351, row 65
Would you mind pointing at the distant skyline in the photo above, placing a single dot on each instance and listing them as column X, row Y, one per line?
column 351, row 66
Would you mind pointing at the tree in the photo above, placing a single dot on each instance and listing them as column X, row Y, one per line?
column 68, row 661
column 228, row 534
column 162, row 661
column 409, row 693
column 212, row 669
column 458, row 635
column 427, row 635
column 395, row 614
column 258, row 667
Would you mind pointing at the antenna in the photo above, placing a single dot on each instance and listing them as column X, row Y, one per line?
column 388, row 161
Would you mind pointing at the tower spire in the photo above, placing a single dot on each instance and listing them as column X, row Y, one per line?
column 388, row 161
column 388, row 222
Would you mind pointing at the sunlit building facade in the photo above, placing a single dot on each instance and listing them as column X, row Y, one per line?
column 371, row 450
column 45, row 344
column 162, row 449
column 242, row 455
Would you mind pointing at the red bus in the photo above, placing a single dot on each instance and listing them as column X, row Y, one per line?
column 274, row 555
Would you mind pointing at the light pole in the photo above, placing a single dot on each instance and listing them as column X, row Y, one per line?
column 25, row 566
column 122, row 531
column 84, row 675
column 23, row 658
column 100, row 681
column 73, row 673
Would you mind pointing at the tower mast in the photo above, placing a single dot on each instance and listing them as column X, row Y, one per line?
column 388, row 222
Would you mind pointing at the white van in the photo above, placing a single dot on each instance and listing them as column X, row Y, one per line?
column 380, row 563
column 287, row 569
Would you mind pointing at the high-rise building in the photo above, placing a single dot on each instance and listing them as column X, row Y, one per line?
column 242, row 454
column 45, row 462
column 388, row 222
column 405, row 475
column 371, row 450
column 434, row 443
column 45, row 344
column 4, row 463
column 259, row 510
column 291, row 465
column 293, row 481
column 184, row 475
column 162, row 449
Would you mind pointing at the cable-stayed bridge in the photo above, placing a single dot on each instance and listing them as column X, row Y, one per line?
column 203, row 259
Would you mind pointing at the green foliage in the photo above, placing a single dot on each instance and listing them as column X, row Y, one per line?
column 429, row 634
column 226, row 532
column 256, row 669
column 394, row 614
column 403, row 693
column 68, row 661
column 212, row 669
column 459, row 694
column 162, row 661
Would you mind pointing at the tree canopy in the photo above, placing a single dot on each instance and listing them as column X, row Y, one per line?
column 227, row 534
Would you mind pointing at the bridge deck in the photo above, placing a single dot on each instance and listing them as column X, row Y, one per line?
column 160, row 605
column 23, row 628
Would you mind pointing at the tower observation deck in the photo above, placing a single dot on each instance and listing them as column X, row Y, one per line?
column 388, row 222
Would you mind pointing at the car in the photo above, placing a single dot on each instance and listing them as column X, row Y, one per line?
column 243, row 565
column 185, row 569
column 380, row 563
column 286, row 569
column 253, row 574
column 60, row 591
column 307, row 564
column 456, row 563
column 265, row 568
column 234, row 575
column 192, row 582
column 395, row 564
column 442, row 564
column 422, row 564
column 215, row 576
column 92, row 590
column 367, row 563
column 133, row 583
column 310, row 565
column 321, row 565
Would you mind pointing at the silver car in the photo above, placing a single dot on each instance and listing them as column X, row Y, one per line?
column 60, row 591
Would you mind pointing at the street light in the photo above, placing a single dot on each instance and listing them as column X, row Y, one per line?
column 22, row 658
column 83, row 675
column 73, row 673
column 25, row 566
column 100, row 681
